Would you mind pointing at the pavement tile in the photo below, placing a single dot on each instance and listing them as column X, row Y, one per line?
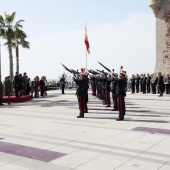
column 95, row 142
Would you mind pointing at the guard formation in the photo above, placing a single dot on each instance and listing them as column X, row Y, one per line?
column 106, row 83
column 152, row 83
column 102, row 84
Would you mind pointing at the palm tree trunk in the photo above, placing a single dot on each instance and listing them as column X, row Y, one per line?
column 10, row 60
column 17, row 58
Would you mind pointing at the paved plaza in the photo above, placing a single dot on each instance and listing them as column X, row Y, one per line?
column 44, row 134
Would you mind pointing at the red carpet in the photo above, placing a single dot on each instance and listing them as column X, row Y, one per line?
column 16, row 99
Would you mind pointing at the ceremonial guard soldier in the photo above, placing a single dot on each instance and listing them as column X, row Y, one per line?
column 86, row 86
column 93, row 87
column 132, row 82
column 148, row 83
column 141, row 83
column 160, row 84
column 137, row 79
column 62, row 83
column 107, row 86
column 144, row 84
column 81, row 92
column 1, row 93
column 114, row 95
column 121, row 93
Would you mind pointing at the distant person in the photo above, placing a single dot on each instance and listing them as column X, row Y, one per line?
column 42, row 86
column 62, row 83
column 16, row 84
column 160, row 84
column 1, row 93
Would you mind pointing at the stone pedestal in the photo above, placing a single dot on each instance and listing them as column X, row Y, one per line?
column 161, row 10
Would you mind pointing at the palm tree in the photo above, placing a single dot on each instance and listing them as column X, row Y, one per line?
column 9, row 34
column 19, row 40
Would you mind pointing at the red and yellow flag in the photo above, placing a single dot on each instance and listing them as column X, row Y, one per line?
column 86, row 41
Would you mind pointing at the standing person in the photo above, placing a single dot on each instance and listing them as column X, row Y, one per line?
column 160, row 84
column 86, row 87
column 167, row 85
column 25, row 83
column 32, row 88
column 107, row 84
column 141, row 85
column 8, row 87
column 121, row 93
column 1, row 93
column 20, row 85
column 114, row 95
column 16, row 84
column 62, row 83
column 144, row 84
column 81, row 93
column 36, row 87
column 46, row 85
column 42, row 86
column 148, row 83
column 38, row 83
column 137, row 80
column 28, row 87
column 132, row 80
column 154, row 81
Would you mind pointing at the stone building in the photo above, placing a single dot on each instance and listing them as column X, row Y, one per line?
column 161, row 10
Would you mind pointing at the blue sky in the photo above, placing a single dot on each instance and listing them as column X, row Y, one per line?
column 120, row 33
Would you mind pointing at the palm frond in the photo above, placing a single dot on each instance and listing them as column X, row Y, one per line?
column 9, row 18
column 1, row 20
column 19, row 34
column 25, row 44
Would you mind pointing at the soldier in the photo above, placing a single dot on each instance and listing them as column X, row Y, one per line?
column 148, row 83
column 86, row 86
column 137, row 83
column 121, row 93
column 81, row 93
column 141, row 85
column 107, row 85
column 62, row 84
column 132, row 80
column 160, row 84
column 1, row 93
column 114, row 95
column 144, row 84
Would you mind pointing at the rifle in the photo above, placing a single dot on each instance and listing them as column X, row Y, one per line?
column 74, row 71
column 66, row 68
column 92, row 71
column 102, row 71
column 104, row 67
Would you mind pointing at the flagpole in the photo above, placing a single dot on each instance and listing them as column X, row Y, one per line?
column 86, row 60
column 86, row 50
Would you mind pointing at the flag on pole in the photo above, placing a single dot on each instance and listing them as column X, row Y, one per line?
column 86, row 41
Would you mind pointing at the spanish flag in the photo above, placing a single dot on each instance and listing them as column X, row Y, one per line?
column 86, row 41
